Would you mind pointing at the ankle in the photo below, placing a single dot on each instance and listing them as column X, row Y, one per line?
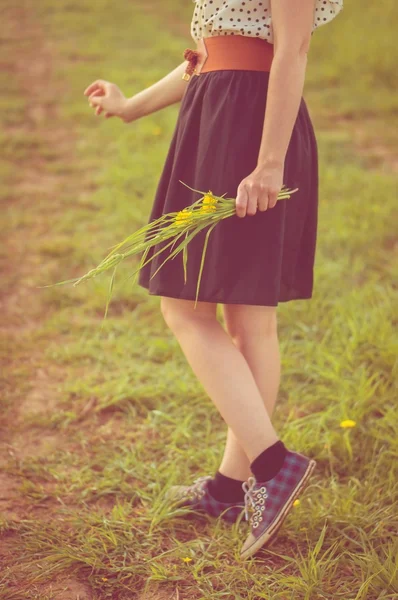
column 269, row 462
column 226, row 489
column 239, row 474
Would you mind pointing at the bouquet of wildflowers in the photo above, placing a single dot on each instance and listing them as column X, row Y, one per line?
column 172, row 227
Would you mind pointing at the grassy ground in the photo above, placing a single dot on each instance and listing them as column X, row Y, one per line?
column 94, row 423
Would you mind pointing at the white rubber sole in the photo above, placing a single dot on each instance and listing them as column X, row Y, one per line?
column 269, row 534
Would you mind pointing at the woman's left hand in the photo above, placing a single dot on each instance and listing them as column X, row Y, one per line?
column 259, row 190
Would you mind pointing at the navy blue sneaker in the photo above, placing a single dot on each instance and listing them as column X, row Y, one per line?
column 271, row 501
column 198, row 498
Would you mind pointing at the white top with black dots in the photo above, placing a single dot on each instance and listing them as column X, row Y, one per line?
column 250, row 17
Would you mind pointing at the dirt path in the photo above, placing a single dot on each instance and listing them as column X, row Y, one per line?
column 28, row 58
column 29, row 61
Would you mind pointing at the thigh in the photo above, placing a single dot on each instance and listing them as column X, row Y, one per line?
column 186, row 308
column 249, row 319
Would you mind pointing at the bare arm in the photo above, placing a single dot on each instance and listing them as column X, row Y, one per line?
column 106, row 97
column 292, row 25
column 166, row 91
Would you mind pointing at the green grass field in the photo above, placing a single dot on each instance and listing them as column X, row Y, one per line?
column 98, row 423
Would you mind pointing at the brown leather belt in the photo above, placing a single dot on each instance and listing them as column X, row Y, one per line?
column 228, row 52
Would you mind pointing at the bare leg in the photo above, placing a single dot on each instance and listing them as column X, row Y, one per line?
column 222, row 370
column 253, row 330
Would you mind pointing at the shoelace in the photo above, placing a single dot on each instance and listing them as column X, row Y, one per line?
column 196, row 489
column 254, row 499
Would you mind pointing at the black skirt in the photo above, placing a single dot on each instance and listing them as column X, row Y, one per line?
column 259, row 259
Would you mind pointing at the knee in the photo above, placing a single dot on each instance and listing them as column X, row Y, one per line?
column 245, row 328
column 181, row 316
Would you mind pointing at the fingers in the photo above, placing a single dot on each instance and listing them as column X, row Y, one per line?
column 250, row 199
column 107, row 115
column 273, row 197
column 246, row 200
column 95, row 100
column 241, row 201
column 99, row 110
column 99, row 84
column 263, row 202
column 97, row 92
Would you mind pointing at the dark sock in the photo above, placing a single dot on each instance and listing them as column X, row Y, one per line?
column 267, row 464
column 226, row 489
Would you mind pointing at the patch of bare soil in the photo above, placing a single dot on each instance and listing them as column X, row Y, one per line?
column 68, row 590
column 28, row 57
column 8, row 496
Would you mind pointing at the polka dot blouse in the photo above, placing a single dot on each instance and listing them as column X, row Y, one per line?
column 248, row 17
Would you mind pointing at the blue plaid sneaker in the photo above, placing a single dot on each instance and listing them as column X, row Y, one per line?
column 272, row 500
column 198, row 498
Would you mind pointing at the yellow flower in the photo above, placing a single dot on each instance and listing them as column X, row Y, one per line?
column 347, row 424
column 182, row 217
column 208, row 203
column 207, row 209
column 209, row 198
column 104, row 579
column 296, row 502
column 186, row 559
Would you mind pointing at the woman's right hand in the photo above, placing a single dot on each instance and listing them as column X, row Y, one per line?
column 106, row 97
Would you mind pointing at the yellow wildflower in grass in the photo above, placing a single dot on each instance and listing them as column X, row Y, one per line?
column 186, row 559
column 296, row 502
column 348, row 423
column 104, row 579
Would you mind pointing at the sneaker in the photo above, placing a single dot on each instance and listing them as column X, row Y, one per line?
column 198, row 497
column 272, row 500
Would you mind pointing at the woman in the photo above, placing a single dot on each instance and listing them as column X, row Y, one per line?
column 243, row 130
